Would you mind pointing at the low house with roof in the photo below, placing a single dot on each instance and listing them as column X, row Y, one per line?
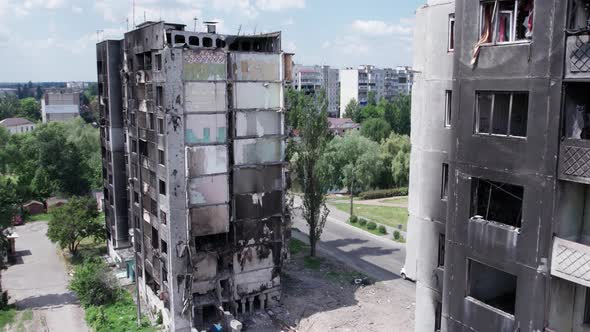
column 340, row 126
column 17, row 125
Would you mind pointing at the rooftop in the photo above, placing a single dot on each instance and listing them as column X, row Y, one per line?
column 11, row 122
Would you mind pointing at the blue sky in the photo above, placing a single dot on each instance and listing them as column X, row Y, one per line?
column 54, row 40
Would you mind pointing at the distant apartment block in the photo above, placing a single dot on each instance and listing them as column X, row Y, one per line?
column 17, row 125
column 357, row 83
column 193, row 139
column 60, row 105
column 77, row 85
column 311, row 79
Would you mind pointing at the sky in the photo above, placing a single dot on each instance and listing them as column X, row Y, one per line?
column 54, row 40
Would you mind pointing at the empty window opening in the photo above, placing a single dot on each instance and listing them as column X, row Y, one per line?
column 152, row 121
column 164, row 246
column 158, row 62
column 219, row 43
column 179, row 39
column 497, row 201
column 448, row 107
column 148, row 60
column 577, row 111
column 161, row 126
column 207, row 42
column 441, row 250
column 579, row 14
column 159, row 96
column 246, row 46
column 162, row 217
column 444, row 193
column 153, row 207
column 168, row 38
column 587, row 307
column 161, row 157
column 143, row 148
column 193, row 41
column 491, row 286
column 502, row 113
column 164, row 274
column 155, row 238
column 437, row 316
column 234, row 46
column 135, row 197
column 162, row 187
column 505, row 21
column 257, row 46
column 451, row 46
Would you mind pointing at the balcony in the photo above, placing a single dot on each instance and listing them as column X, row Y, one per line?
column 577, row 60
column 574, row 160
column 571, row 261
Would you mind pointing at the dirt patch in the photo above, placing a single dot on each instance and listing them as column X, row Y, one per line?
column 325, row 295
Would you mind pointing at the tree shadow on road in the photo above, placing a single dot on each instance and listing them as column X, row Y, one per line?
column 46, row 301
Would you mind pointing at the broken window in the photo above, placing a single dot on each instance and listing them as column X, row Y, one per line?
column 587, row 307
column 445, row 182
column 505, row 21
column 448, row 107
column 162, row 217
column 153, row 207
column 577, row 111
column 437, row 316
column 246, row 46
column 162, row 187
column 441, row 250
column 193, row 41
column 155, row 238
column 497, row 201
column 164, row 246
column 161, row 126
column 148, row 60
column 164, row 274
column 161, row 157
column 143, row 148
column 491, row 286
column 135, row 197
column 179, row 39
column 159, row 96
column 451, row 45
column 219, row 43
column 158, row 62
column 579, row 14
column 151, row 121
column 502, row 113
column 207, row 42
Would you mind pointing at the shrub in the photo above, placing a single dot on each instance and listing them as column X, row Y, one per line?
column 397, row 235
column 384, row 193
column 371, row 225
column 382, row 229
column 93, row 283
column 362, row 221
column 353, row 219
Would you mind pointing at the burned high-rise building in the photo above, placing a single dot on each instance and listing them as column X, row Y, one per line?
column 193, row 138
column 499, row 235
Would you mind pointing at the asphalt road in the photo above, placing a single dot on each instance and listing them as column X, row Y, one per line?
column 377, row 257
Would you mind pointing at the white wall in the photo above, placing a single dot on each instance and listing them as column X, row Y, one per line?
column 349, row 88
column 21, row 128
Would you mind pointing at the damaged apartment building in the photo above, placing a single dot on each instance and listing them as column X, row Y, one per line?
column 499, row 232
column 193, row 139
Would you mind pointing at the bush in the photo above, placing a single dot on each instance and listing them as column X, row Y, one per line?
column 362, row 221
column 371, row 225
column 353, row 219
column 117, row 316
column 93, row 284
column 397, row 235
column 384, row 193
column 382, row 229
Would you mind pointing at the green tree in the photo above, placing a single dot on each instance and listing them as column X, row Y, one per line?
column 353, row 162
column 29, row 108
column 351, row 110
column 93, row 283
column 402, row 108
column 371, row 98
column 314, row 135
column 395, row 156
column 376, row 129
column 38, row 93
column 9, row 106
column 75, row 221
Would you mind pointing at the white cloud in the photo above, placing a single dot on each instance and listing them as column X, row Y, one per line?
column 278, row 5
column 244, row 7
column 77, row 9
column 380, row 28
column 179, row 11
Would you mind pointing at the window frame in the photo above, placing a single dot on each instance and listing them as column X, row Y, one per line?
column 495, row 16
column 586, row 317
column 444, row 186
column 448, row 108
column 441, row 250
column 476, row 129
column 451, row 33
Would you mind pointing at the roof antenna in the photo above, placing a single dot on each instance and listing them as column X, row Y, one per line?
column 144, row 19
column 239, row 29
column 195, row 19
column 256, row 26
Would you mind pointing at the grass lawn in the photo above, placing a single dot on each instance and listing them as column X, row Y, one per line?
column 386, row 215
column 7, row 317
column 396, row 200
column 89, row 248
column 39, row 217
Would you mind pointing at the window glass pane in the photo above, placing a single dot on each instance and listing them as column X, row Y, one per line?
column 505, row 22
column 524, row 20
column 518, row 120
column 484, row 105
column 501, row 111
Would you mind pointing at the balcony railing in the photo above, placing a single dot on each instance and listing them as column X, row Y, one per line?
column 577, row 60
column 571, row 261
column 574, row 160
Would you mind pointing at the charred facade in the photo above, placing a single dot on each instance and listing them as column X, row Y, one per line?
column 198, row 124
column 501, row 196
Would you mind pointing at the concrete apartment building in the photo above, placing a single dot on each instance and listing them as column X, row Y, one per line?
column 17, row 125
column 356, row 83
column 312, row 79
column 499, row 234
column 60, row 105
column 193, row 141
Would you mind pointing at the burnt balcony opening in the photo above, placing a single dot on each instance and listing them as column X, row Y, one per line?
column 496, row 201
column 491, row 286
column 579, row 14
column 577, row 111
column 573, row 212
